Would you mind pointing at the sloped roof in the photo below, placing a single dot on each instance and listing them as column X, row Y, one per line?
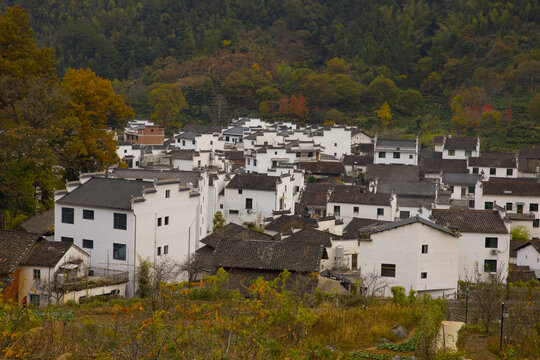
column 391, row 172
column 269, row 255
column 365, row 147
column 233, row 231
column 373, row 229
column 520, row 273
column 512, row 187
column 475, row 221
column 254, row 182
column 529, row 159
column 460, row 143
column 460, row 179
column 46, row 253
column 494, row 160
column 14, row 247
column 184, row 177
column 425, row 187
column 534, row 243
column 106, row 193
column 234, row 155
column 310, row 235
column 444, row 165
column 438, row 140
column 358, row 223
column 322, row 167
column 285, row 223
column 40, row 224
column 358, row 160
column 181, row 154
column 188, row 135
column 314, row 198
column 354, row 195
column 201, row 129
column 396, row 143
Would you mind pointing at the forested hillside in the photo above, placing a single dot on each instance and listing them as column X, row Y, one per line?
column 472, row 67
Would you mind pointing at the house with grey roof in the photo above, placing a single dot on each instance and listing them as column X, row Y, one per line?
column 460, row 147
column 529, row 162
column 493, row 165
column 120, row 221
column 395, row 151
column 465, row 189
column 528, row 254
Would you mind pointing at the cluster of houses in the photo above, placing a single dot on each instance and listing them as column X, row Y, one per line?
column 330, row 201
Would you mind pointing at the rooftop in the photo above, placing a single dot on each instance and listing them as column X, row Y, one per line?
column 460, row 179
column 233, row 231
column 460, row 143
column 254, row 182
column 512, row 187
column 376, row 228
column 474, row 221
column 355, row 195
column 494, row 160
column 14, row 247
column 395, row 144
column 46, row 253
column 322, row 167
column 391, row 172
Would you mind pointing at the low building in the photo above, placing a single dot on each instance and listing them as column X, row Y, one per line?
column 391, row 151
column 493, row 165
column 460, row 147
column 143, row 132
column 528, row 254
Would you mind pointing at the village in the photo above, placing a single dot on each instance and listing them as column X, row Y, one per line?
column 257, row 198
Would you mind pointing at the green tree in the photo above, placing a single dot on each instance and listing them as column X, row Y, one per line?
column 167, row 103
column 383, row 90
column 534, row 108
column 411, row 102
column 218, row 221
column 520, row 233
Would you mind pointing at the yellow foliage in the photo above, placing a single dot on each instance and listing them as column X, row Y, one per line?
column 225, row 43
column 384, row 113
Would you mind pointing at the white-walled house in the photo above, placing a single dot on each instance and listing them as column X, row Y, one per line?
column 360, row 137
column 199, row 142
column 388, row 151
column 119, row 221
column 348, row 202
column 266, row 157
column 460, row 147
column 494, row 165
column 528, row 254
column 336, row 141
column 484, row 242
column 252, row 197
column 465, row 189
column 413, row 253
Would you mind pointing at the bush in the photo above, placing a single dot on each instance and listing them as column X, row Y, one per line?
column 398, row 294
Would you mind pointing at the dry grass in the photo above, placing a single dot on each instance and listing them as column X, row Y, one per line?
column 358, row 327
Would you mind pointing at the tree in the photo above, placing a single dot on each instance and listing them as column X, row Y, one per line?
column 384, row 113
column 167, row 103
column 411, row 102
column 218, row 221
column 520, row 233
column 383, row 89
column 534, row 108
column 336, row 66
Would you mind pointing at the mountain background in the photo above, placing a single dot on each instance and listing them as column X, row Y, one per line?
column 464, row 67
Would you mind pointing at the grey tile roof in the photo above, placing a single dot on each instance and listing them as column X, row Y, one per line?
column 201, row 129
column 460, row 143
column 404, row 201
column 188, row 135
column 254, row 182
column 183, row 176
column 46, row 253
column 14, row 247
column 233, row 231
column 351, row 230
column 391, row 172
column 475, row 221
column 437, row 165
column 236, row 131
column 357, row 160
column 234, row 155
column 396, row 143
column 285, row 223
column 322, row 167
column 460, row 179
column 373, row 229
column 310, row 235
column 529, row 159
column 182, row 154
column 534, row 243
column 355, row 195
column 512, row 187
column 494, row 160
column 269, row 255
column 438, row 140
column 106, row 193
column 425, row 187
column 41, row 223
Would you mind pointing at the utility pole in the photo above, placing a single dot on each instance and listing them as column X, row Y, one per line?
column 466, row 304
column 502, row 327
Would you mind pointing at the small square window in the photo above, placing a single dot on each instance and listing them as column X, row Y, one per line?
column 388, row 270
column 397, row 155
column 66, row 239
column 119, row 251
column 468, row 152
column 382, row 154
column 423, row 275
column 451, row 152
column 221, row 206
column 533, row 207
column 509, row 206
column 536, row 223
column 491, row 242
column 211, row 142
column 88, row 214
column 337, row 209
column 471, row 189
column 404, row 214
column 492, row 171
column 356, row 209
column 88, row 244
column 471, row 204
column 193, row 142
column 37, row 274
column 475, row 170
column 424, row 249
column 380, row 212
column 34, row 299
column 490, row 266
column 411, row 156
column 159, row 250
column 167, row 193
column 68, row 215
column 159, row 220
column 488, row 205
column 165, row 249
column 509, row 172
column 120, row 221
column 239, row 191
column 335, row 144
column 166, row 220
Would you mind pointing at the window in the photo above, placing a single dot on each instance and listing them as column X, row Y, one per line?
column 37, row 274
column 159, row 222
column 380, row 212
column 356, row 210
column 337, row 209
column 66, row 239
column 211, row 142
column 423, row 275
column 183, row 142
column 166, row 220
column 68, row 215
column 404, row 214
column 165, row 249
column 388, row 270
column 509, row 206
column 249, row 203
column 509, row 172
column 382, row 154
column 119, row 251
column 533, row 207
column 519, row 208
column 335, row 144
column 226, row 138
column 492, row 171
column 397, row 155
column 88, row 214
column 475, row 170
column 254, row 162
column 424, row 249
column 221, row 206
column 193, row 142
column 471, row 189
column 471, row 204
column 248, row 161
column 88, row 244
column 240, row 191
column 536, row 223
column 233, row 211
column 491, row 242
column 120, row 221
column 451, row 152
column 167, row 193
column 274, row 163
column 490, row 265
column 468, row 152
column 34, row 299
column 488, row 205
column 159, row 250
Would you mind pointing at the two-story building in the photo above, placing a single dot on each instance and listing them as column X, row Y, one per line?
column 493, row 165
column 389, row 151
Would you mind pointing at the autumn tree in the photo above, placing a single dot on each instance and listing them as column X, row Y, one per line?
column 167, row 103
column 384, row 113
column 218, row 221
